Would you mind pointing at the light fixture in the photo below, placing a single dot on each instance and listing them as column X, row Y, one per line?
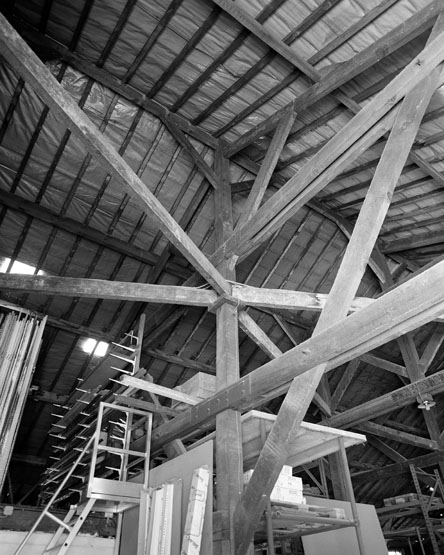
column 426, row 401
column 426, row 404
column 97, row 348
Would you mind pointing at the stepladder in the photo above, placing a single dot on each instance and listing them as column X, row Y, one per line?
column 104, row 465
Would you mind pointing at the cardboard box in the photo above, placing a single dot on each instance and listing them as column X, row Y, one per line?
column 288, row 489
column 287, row 495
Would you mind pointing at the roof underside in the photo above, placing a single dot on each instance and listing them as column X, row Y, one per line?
column 142, row 69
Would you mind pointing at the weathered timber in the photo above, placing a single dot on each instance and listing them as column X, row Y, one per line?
column 307, row 182
column 104, row 289
column 41, row 213
column 286, row 299
column 301, row 188
column 27, row 64
column 159, row 390
column 180, row 361
column 412, row 304
column 197, row 158
column 268, row 38
column 346, row 379
column 396, row 435
column 393, row 40
column 145, row 405
column 229, row 458
column 267, row 168
column 388, row 402
column 413, row 242
column 432, row 348
column 257, row 335
column 385, row 364
column 302, row 389
column 398, row 468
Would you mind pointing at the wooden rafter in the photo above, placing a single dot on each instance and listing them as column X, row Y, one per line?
column 290, row 55
column 197, row 158
column 78, row 229
column 396, row 435
column 267, row 168
column 388, row 402
column 398, row 468
column 283, row 299
column 77, row 61
column 367, row 227
column 390, row 42
column 26, row 63
column 343, row 384
column 388, row 365
column 410, row 305
column 312, row 177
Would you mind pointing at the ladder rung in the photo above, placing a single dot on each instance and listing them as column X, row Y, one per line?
column 127, row 347
column 125, row 359
column 59, row 521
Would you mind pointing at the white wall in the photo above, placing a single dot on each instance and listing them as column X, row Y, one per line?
column 343, row 541
column 82, row 545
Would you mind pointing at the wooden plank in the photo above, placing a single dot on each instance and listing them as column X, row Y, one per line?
column 393, row 40
column 396, row 435
column 104, row 289
column 267, row 168
column 367, row 227
column 35, row 73
column 151, row 387
column 410, row 305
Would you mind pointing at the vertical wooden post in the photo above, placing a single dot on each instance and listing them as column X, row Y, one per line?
column 229, row 464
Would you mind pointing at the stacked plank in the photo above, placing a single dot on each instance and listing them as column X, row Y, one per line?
column 20, row 337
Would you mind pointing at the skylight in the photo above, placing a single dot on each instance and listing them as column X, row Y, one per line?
column 18, row 267
column 97, row 348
